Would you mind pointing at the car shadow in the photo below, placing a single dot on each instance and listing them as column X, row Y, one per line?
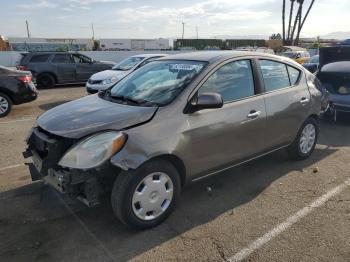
column 333, row 133
column 38, row 223
column 49, row 106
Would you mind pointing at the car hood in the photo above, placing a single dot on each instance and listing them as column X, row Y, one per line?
column 106, row 74
column 91, row 114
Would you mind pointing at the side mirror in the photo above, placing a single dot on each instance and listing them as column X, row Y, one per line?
column 205, row 101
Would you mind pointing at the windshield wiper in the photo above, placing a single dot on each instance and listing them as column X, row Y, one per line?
column 132, row 100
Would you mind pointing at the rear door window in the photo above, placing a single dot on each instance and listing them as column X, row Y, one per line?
column 232, row 81
column 275, row 75
column 39, row 58
column 62, row 59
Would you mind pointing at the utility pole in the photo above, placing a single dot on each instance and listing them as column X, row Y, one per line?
column 183, row 30
column 28, row 34
column 93, row 31
column 197, row 31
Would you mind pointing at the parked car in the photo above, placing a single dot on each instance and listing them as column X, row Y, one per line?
column 298, row 56
column 51, row 68
column 312, row 64
column 334, row 74
column 336, row 79
column 16, row 87
column 106, row 79
column 172, row 122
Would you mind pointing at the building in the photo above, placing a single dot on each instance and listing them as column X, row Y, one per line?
column 134, row 44
column 217, row 44
column 49, row 44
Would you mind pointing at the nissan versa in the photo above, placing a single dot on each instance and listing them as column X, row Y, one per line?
column 174, row 121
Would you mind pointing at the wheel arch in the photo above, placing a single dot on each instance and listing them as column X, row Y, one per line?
column 49, row 73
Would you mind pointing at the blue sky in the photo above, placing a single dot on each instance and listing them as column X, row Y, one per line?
column 162, row 18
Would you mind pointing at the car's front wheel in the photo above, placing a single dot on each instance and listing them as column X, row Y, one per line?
column 305, row 142
column 5, row 105
column 145, row 197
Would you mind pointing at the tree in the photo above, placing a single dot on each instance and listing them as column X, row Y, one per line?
column 298, row 21
column 284, row 20
column 276, row 37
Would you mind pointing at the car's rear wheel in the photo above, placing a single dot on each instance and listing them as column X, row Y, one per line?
column 306, row 140
column 5, row 105
column 145, row 197
column 45, row 80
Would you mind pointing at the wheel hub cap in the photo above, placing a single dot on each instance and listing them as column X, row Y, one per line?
column 307, row 138
column 152, row 196
column 4, row 105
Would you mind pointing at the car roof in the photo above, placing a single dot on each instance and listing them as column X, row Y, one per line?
column 336, row 67
column 214, row 56
column 150, row 55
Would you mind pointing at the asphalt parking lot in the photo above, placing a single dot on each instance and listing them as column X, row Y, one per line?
column 271, row 209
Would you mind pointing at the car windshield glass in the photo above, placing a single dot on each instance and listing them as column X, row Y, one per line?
column 157, row 83
column 128, row 63
column 338, row 85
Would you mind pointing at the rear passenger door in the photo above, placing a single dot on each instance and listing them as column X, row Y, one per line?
column 287, row 100
column 65, row 67
column 224, row 136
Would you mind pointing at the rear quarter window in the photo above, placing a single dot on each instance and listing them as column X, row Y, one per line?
column 39, row 58
column 294, row 75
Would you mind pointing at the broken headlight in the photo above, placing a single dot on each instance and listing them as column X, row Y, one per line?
column 93, row 151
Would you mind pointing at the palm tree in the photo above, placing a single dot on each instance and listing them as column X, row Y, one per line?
column 284, row 21
column 290, row 18
column 301, row 23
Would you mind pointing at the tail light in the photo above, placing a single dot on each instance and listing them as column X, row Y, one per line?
column 21, row 67
column 25, row 79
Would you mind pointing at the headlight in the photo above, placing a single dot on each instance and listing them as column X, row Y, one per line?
column 93, row 151
column 109, row 80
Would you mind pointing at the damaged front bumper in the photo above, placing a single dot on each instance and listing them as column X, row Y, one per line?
column 46, row 150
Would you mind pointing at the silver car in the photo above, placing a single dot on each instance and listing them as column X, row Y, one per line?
column 107, row 78
column 174, row 121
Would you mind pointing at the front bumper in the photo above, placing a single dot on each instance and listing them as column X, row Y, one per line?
column 85, row 185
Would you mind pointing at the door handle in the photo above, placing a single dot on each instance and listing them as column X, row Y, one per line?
column 304, row 100
column 253, row 114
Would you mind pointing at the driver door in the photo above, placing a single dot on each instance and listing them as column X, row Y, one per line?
column 231, row 134
column 84, row 67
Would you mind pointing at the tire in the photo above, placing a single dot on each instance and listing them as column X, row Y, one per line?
column 5, row 105
column 299, row 150
column 45, row 80
column 128, row 185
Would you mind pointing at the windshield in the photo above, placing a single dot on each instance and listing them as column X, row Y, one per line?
column 157, row 83
column 128, row 63
column 338, row 85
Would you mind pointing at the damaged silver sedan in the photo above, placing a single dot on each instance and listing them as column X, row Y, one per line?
column 174, row 121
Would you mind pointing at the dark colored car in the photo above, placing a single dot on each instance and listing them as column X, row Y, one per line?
column 51, row 68
column 16, row 87
column 335, row 77
column 312, row 64
column 334, row 74
column 174, row 121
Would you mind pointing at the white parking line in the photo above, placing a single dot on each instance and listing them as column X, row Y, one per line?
column 18, row 120
column 258, row 243
column 9, row 167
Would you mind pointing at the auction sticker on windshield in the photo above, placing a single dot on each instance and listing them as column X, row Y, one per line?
column 182, row 67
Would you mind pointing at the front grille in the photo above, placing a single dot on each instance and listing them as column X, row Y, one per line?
column 95, row 82
column 49, row 147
